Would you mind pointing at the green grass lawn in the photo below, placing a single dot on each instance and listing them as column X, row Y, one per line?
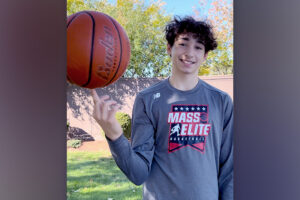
column 95, row 176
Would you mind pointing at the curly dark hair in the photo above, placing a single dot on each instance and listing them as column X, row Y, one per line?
column 200, row 29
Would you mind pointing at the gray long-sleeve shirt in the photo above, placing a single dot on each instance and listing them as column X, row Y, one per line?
column 182, row 143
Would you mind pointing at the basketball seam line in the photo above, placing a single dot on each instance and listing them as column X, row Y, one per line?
column 92, row 50
column 120, row 51
column 76, row 15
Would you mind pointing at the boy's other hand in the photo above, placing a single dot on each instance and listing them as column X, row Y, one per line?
column 104, row 113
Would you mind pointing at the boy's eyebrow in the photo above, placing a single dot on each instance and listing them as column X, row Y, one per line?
column 187, row 39
column 200, row 42
column 183, row 38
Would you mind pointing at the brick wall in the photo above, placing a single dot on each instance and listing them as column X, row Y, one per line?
column 79, row 101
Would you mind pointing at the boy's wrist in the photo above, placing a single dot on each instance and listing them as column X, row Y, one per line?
column 113, row 137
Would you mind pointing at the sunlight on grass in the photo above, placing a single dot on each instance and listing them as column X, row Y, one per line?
column 95, row 176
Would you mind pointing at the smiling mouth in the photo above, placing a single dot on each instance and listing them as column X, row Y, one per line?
column 187, row 61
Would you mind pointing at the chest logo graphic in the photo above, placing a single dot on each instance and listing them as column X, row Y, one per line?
column 188, row 127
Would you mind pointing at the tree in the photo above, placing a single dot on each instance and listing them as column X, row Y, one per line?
column 144, row 25
column 74, row 6
column 220, row 16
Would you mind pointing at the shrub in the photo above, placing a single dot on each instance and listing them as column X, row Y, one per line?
column 74, row 143
column 68, row 125
column 125, row 121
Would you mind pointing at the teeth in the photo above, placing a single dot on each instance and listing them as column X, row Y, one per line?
column 188, row 62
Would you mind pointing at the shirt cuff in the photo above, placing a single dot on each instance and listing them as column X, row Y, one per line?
column 119, row 146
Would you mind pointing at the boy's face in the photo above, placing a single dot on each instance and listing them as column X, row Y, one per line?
column 187, row 54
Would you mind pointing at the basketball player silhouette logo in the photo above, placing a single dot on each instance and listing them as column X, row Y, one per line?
column 175, row 129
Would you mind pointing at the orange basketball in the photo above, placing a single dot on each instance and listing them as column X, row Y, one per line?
column 98, row 49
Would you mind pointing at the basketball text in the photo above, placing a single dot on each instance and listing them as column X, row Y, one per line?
column 108, row 44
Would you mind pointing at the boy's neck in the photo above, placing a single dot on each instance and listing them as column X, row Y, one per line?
column 183, row 83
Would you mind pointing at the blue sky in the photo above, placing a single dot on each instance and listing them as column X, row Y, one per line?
column 177, row 7
column 180, row 7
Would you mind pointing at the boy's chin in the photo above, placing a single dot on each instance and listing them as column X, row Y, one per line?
column 189, row 72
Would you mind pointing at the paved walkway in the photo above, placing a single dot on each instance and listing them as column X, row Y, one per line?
column 91, row 146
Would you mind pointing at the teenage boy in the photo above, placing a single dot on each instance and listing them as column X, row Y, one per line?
column 182, row 132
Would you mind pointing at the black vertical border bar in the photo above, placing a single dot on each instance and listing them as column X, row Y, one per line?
column 33, row 100
column 266, row 100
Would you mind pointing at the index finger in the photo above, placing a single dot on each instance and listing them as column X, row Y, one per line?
column 94, row 95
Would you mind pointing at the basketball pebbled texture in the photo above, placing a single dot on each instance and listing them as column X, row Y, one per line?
column 98, row 49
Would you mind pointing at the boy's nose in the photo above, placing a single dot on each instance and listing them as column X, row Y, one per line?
column 188, row 55
column 189, row 52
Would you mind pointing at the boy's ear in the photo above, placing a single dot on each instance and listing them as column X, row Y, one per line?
column 205, row 55
column 169, row 49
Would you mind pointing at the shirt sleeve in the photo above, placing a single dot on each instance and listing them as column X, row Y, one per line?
column 226, row 155
column 135, row 159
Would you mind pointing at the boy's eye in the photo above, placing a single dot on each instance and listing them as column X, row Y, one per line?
column 181, row 44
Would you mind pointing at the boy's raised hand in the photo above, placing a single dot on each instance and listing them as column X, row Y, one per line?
column 104, row 113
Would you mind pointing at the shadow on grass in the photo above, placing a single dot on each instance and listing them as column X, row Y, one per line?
column 91, row 177
column 117, row 194
column 103, row 171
